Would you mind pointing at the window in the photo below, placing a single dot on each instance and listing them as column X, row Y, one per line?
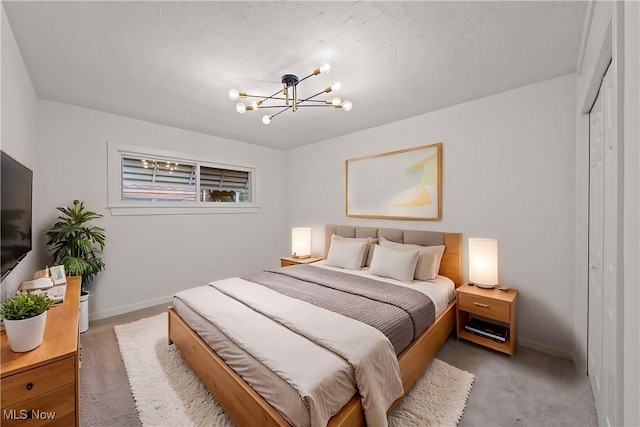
column 156, row 180
column 224, row 185
column 150, row 181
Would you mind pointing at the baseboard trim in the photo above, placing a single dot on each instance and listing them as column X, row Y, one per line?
column 129, row 308
column 546, row 349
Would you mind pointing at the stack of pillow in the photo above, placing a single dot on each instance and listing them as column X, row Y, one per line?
column 404, row 262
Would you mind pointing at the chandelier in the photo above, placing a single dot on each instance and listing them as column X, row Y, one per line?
column 287, row 98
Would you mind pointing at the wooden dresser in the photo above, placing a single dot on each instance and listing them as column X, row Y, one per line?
column 40, row 387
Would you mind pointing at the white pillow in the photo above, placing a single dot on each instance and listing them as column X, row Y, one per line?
column 346, row 254
column 428, row 259
column 394, row 263
column 368, row 253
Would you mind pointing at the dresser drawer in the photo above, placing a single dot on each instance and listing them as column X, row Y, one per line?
column 35, row 382
column 487, row 307
column 55, row 408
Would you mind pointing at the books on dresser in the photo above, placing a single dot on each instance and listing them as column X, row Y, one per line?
column 487, row 329
column 56, row 292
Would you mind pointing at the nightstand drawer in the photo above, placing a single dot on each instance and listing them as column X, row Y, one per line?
column 486, row 307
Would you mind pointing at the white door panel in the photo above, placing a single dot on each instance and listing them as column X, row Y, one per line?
column 596, row 215
column 604, row 332
column 610, row 327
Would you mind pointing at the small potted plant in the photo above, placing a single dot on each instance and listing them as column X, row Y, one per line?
column 25, row 316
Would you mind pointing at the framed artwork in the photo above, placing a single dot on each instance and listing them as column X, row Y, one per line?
column 58, row 274
column 403, row 184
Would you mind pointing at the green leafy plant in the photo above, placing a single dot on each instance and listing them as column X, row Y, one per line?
column 25, row 305
column 74, row 243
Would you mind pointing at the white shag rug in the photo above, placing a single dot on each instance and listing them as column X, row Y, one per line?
column 168, row 393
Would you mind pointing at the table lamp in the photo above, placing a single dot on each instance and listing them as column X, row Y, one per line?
column 301, row 242
column 483, row 262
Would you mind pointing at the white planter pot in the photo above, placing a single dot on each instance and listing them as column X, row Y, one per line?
column 84, row 311
column 25, row 335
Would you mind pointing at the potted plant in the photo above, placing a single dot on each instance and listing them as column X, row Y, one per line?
column 76, row 244
column 25, row 316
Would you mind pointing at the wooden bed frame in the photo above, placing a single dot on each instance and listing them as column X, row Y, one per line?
column 247, row 408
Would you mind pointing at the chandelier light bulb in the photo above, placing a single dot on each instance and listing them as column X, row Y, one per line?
column 336, row 101
column 325, row 67
column 346, row 105
column 266, row 119
column 255, row 104
column 336, row 86
column 241, row 108
column 234, row 94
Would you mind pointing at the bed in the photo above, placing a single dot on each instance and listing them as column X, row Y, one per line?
column 246, row 406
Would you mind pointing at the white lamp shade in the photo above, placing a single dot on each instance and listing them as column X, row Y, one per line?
column 483, row 262
column 301, row 241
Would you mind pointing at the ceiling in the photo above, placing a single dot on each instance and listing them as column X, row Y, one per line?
column 173, row 63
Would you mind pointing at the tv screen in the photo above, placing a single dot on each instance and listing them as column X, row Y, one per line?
column 15, row 212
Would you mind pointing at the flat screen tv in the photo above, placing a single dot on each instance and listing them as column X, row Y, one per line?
column 15, row 213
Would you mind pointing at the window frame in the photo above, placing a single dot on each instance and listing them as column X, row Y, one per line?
column 117, row 151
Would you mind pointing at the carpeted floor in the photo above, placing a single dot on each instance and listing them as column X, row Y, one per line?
column 529, row 389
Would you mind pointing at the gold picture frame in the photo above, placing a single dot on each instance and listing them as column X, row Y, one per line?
column 402, row 184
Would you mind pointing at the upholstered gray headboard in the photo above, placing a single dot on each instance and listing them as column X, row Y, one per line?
column 450, row 265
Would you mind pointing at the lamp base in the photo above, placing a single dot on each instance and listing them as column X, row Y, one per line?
column 300, row 256
column 480, row 285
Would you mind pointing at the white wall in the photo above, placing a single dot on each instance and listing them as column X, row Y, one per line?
column 18, row 123
column 148, row 258
column 508, row 173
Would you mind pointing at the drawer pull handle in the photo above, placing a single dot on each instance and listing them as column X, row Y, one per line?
column 29, row 386
column 481, row 305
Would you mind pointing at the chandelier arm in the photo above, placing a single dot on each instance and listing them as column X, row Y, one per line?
column 305, row 78
column 263, row 97
column 266, row 97
column 272, row 96
column 280, row 112
column 312, row 96
column 254, row 96
column 316, row 105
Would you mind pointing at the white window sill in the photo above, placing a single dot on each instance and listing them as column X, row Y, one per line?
column 182, row 210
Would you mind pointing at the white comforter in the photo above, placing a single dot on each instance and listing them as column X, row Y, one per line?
column 305, row 345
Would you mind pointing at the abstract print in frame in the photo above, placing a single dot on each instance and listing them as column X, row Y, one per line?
column 403, row 184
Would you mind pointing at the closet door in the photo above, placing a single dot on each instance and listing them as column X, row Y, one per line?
column 596, row 238
column 605, row 334
column 612, row 334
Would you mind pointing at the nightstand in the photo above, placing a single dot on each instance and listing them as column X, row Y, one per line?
column 287, row 261
column 492, row 305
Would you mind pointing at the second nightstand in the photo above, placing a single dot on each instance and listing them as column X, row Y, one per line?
column 494, row 305
column 287, row 261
